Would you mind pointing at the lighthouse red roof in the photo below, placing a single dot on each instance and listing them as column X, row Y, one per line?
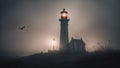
column 64, row 11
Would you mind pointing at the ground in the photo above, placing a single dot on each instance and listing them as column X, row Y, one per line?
column 110, row 59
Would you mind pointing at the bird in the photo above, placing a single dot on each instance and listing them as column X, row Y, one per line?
column 22, row 27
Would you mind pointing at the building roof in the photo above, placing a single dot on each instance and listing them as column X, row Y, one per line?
column 77, row 40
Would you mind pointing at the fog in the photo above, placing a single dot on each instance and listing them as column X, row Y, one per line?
column 96, row 21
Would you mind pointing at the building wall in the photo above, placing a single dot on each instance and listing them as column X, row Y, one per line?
column 76, row 45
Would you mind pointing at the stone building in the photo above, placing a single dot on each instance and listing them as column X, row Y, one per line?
column 76, row 45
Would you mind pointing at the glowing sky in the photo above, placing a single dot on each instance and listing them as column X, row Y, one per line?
column 96, row 21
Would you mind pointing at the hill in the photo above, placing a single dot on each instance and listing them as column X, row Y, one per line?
column 109, row 59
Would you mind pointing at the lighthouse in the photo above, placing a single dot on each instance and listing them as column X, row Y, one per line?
column 64, row 39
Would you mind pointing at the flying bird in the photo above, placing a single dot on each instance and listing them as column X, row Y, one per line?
column 21, row 27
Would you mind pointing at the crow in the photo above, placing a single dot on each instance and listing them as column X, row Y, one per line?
column 21, row 27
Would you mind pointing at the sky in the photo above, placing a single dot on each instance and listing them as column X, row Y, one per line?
column 96, row 21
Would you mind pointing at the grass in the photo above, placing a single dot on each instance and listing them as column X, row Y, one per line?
column 99, row 59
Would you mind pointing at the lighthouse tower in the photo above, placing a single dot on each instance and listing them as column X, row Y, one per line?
column 64, row 39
